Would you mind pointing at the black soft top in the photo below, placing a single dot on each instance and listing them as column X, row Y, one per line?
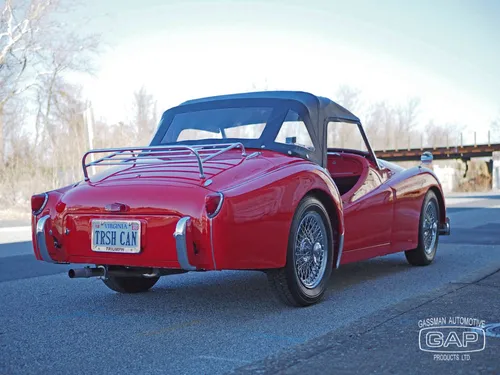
column 320, row 108
column 314, row 109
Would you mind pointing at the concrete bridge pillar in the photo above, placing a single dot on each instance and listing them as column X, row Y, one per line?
column 449, row 173
column 495, row 172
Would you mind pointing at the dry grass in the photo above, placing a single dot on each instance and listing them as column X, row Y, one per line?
column 16, row 213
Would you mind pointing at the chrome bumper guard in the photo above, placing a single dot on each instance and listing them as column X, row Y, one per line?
column 445, row 228
column 181, row 243
column 40, row 239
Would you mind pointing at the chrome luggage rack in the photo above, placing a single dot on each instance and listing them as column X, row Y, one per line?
column 155, row 155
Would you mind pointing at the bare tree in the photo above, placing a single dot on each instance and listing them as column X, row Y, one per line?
column 348, row 97
column 439, row 135
column 16, row 166
column 341, row 136
column 406, row 119
column 380, row 125
column 145, row 115
column 495, row 130
column 20, row 47
column 35, row 51
column 71, row 54
column 20, row 26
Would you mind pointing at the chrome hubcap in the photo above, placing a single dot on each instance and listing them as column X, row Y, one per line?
column 310, row 252
column 430, row 226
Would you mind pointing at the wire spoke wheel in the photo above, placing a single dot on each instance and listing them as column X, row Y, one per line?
column 309, row 256
column 430, row 226
column 428, row 233
column 310, row 250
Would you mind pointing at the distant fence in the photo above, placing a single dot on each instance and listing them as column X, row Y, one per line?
column 465, row 138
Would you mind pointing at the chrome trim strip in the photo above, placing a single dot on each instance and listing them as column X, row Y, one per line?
column 40, row 239
column 333, row 153
column 212, row 242
column 329, row 176
column 43, row 205
column 341, row 248
column 253, row 155
column 181, row 245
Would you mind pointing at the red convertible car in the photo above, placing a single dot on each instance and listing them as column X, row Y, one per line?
column 282, row 182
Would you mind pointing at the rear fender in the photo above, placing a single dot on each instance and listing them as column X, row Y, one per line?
column 432, row 183
column 411, row 186
column 252, row 229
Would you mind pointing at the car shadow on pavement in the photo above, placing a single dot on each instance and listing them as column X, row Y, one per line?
column 15, row 248
column 227, row 292
column 360, row 272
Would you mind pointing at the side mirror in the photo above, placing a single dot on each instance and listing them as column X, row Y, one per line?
column 426, row 158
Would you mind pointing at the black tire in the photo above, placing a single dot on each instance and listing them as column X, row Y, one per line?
column 285, row 282
column 130, row 284
column 422, row 255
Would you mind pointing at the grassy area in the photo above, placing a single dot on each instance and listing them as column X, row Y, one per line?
column 16, row 213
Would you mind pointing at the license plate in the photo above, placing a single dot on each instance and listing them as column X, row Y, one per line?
column 116, row 236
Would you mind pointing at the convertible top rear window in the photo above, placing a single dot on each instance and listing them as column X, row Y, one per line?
column 218, row 123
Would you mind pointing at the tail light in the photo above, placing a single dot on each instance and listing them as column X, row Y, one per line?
column 38, row 203
column 213, row 204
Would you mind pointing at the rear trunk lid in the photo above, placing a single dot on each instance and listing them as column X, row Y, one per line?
column 156, row 196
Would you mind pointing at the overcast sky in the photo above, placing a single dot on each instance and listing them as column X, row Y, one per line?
column 445, row 52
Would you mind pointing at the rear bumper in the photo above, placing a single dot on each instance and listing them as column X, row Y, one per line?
column 182, row 236
column 445, row 228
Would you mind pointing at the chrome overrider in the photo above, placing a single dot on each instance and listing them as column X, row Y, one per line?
column 181, row 243
column 445, row 228
column 40, row 239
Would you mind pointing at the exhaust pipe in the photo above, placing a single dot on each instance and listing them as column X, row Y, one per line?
column 85, row 272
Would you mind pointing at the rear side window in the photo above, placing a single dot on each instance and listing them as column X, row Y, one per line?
column 345, row 135
column 294, row 131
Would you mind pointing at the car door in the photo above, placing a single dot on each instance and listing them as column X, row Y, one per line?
column 368, row 215
column 368, row 207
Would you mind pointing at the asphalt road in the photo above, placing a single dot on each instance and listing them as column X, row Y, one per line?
column 214, row 322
